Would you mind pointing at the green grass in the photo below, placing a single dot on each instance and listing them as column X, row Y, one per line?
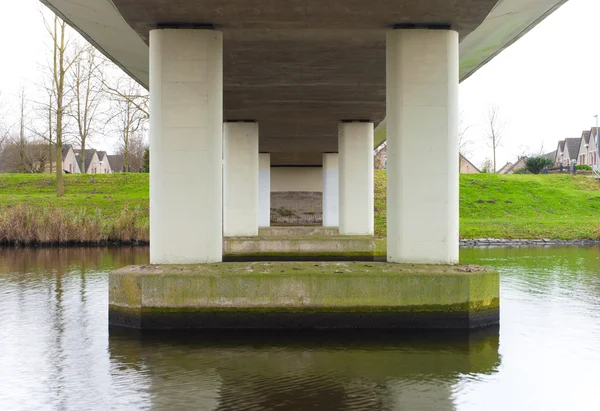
column 495, row 206
column 109, row 193
column 95, row 208
column 519, row 206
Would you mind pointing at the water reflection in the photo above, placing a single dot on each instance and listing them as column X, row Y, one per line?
column 299, row 371
column 56, row 352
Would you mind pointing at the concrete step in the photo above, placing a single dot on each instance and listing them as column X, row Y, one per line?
column 289, row 248
column 295, row 232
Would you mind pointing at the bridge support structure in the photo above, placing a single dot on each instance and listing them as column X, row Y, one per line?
column 186, row 139
column 240, row 179
column 422, row 135
column 208, row 179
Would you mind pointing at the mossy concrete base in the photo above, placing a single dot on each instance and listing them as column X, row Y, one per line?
column 298, row 231
column 303, row 295
column 314, row 246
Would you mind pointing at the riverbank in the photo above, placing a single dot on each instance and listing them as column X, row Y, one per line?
column 113, row 208
column 96, row 209
column 531, row 207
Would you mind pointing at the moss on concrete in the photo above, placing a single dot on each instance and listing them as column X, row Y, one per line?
column 306, row 290
column 325, row 268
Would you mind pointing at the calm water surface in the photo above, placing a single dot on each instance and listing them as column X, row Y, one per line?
column 56, row 352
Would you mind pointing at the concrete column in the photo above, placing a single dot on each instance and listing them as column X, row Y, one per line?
column 331, row 199
column 186, row 129
column 264, row 190
column 240, row 179
column 356, row 178
column 422, row 135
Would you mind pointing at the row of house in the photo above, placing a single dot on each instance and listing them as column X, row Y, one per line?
column 580, row 149
column 380, row 160
column 96, row 162
column 37, row 158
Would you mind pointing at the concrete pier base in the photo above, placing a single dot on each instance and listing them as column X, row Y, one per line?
column 303, row 296
column 303, row 243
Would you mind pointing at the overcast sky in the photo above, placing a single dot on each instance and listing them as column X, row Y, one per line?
column 546, row 85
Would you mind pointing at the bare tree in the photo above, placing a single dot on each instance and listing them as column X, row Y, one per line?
column 60, row 66
column 136, row 149
column 125, row 88
column 43, row 127
column 36, row 157
column 5, row 127
column 494, row 132
column 130, row 112
column 29, row 156
column 86, row 85
column 21, row 142
column 464, row 143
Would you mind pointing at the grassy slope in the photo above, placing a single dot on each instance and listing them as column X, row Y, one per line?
column 516, row 206
column 95, row 209
column 109, row 193
column 519, row 206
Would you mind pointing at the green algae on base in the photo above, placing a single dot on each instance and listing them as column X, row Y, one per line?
column 324, row 293
column 279, row 267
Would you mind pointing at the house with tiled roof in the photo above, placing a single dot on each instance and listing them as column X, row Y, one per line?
column 466, row 167
column 567, row 150
column 69, row 159
column 105, row 166
column 116, row 162
column 587, row 148
column 510, row 168
column 505, row 168
column 550, row 156
column 91, row 162
column 560, row 149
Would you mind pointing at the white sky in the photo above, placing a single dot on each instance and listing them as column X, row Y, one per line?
column 546, row 85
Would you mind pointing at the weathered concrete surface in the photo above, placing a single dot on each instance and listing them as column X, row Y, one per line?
column 290, row 232
column 317, row 244
column 290, row 61
column 303, row 295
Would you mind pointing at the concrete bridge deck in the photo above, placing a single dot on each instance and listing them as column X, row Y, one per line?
column 299, row 67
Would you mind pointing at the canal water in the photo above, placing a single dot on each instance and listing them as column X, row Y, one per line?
column 56, row 352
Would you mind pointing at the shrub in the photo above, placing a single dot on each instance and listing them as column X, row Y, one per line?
column 23, row 225
column 583, row 167
column 535, row 165
column 522, row 171
column 131, row 226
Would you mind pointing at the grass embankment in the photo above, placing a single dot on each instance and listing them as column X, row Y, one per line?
column 95, row 209
column 519, row 206
column 114, row 207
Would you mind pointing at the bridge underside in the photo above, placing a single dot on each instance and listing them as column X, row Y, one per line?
column 300, row 67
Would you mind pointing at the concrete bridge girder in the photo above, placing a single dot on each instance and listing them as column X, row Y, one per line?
column 299, row 67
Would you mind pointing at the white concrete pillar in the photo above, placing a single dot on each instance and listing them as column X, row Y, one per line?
column 331, row 201
column 356, row 178
column 186, row 126
column 422, row 135
column 240, row 179
column 264, row 190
